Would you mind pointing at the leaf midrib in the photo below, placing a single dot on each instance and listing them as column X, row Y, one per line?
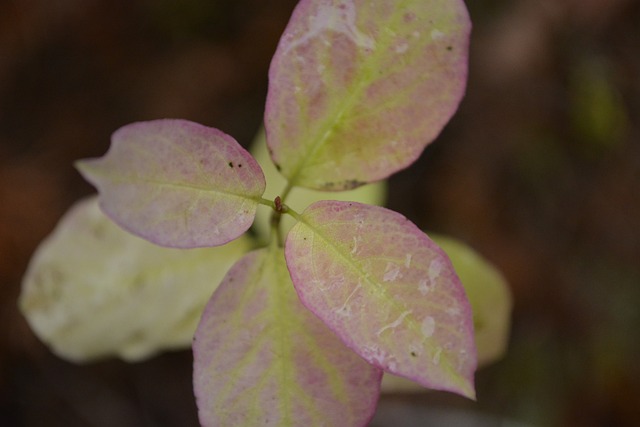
column 179, row 185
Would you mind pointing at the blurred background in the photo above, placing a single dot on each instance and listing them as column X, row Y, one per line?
column 539, row 171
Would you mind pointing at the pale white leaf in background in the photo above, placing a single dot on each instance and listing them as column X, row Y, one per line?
column 94, row 290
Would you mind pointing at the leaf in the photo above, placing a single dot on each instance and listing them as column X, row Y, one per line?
column 177, row 183
column 93, row 290
column 261, row 358
column 490, row 300
column 299, row 198
column 358, row 88
column 386, row 290
column 488, row 293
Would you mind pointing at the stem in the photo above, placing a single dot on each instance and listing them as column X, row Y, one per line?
column 294, row 214
column 267, row 202
column 280, row 208
column 275, row 227
column 286, row 191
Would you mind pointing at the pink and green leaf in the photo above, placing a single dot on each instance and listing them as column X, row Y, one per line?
column 490, row 300
column 177, row 183
column 261, row 358
column 358, row 88
column 387, row 290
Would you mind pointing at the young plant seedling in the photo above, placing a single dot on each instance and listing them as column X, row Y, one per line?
column 301, row 329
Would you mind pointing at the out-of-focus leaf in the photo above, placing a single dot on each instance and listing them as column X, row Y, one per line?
column 387, row 290
column 598, row 112
column 488, row 294
column 93, row 290
column 261, row 358
column 358, row 88
column 177, row 183
column 490, row 300
column 299, row 198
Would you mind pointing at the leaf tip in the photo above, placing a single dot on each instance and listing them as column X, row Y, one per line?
column 83, row 165
column 88, row 168
column 467, row 389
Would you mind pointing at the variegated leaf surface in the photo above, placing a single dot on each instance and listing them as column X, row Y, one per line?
column 261, row 358
column 358, row 88
column 177, row 183
column 387, row 290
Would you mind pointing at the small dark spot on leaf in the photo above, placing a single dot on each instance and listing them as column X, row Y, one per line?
column 347, row 184
column 98, row 231
column 355, row 183
column 413, row 354
column 137, row 336
column 239, row 165
column 477, row 323
column 449, row 48
column 277, row 166
column 230, row 164
column 352, row 183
